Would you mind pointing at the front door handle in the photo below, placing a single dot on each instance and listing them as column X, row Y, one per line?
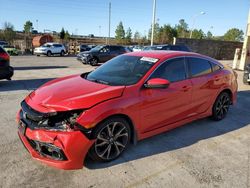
column 186, row 88
column 216, row 78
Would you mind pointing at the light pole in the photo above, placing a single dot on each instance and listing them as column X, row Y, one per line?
column 109, row 23
column 37, row 25
column 153, row 23
column 194, row 19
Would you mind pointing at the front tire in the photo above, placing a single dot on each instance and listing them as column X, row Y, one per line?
column 49, row 53
column 221, row 106
column 93, row 61
column 112, row 138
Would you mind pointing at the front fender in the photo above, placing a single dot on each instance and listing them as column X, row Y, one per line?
column 92, row 117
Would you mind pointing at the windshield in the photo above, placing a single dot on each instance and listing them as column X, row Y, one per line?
column 122, row 70
column 97, row 48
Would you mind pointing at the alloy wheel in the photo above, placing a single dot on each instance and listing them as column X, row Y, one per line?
column 111, row 141
column 222, row 106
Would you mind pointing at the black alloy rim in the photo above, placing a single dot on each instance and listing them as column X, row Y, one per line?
column 111, row 140
column 222, row 106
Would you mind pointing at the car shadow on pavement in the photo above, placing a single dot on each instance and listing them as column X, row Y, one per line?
column 29, row 84
column 39, row 67
column 185, row 136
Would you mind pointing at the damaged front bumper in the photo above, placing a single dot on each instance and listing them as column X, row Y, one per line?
column 60, row 149
column 65, row 150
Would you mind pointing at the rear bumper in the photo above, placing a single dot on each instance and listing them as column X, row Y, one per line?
column 6, row 72
column 74, row 146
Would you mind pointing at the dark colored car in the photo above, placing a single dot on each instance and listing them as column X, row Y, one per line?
column 101, row 54
column 246, row 76
column 84, row 48
column 3, row 43
column 168, row 47
column 131, row 97
column 6, row 71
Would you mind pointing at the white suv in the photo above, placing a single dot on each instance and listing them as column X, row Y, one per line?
column 50, row 49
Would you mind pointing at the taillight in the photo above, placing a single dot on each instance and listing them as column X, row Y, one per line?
column 5, row 56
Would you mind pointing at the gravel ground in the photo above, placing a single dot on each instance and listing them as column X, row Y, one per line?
column 200, row 154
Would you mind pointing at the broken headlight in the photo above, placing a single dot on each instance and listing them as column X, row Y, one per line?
column 61, row 121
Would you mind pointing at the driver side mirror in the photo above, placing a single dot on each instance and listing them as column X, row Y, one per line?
column 157, row 83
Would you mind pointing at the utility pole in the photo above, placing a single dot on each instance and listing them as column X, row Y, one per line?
column 153, row 23
column 109, row 21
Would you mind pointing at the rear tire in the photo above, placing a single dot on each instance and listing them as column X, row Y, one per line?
column 221, row 106
column 112, row 138
column 62, row 53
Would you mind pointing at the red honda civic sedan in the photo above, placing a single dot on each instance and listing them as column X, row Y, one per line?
column 129, row 98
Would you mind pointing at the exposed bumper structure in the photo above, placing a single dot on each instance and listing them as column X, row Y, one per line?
column 72, row 147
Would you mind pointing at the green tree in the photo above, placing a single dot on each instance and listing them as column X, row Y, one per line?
column 67, row 35
column 8, row 32
column 209, row 35
column 62, row 34
column 137, row 37
column 119, row 33
column 156, row 33
column 166, row 34
column 182, row 29
column 128, row 35
column 234, row 34
column 28, row 27
column 198, row 34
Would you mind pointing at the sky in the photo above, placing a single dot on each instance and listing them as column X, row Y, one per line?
column 84, row 17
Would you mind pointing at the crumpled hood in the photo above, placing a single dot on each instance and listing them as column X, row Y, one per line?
column 71, row 93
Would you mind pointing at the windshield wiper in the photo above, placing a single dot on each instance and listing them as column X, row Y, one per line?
column 99, row 81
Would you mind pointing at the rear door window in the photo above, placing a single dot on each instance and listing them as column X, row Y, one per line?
column 198, row 66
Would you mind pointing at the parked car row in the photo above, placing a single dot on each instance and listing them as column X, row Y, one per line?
column 100, row 54
column 168, row 47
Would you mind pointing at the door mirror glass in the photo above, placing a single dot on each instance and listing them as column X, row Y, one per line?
column 157, row 83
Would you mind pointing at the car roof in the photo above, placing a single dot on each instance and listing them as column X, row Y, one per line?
column 160, row 54
column 167, row 54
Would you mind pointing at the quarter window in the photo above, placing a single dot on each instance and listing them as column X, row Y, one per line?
column 198, row 67
column 172, row 70
column 215, row 67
